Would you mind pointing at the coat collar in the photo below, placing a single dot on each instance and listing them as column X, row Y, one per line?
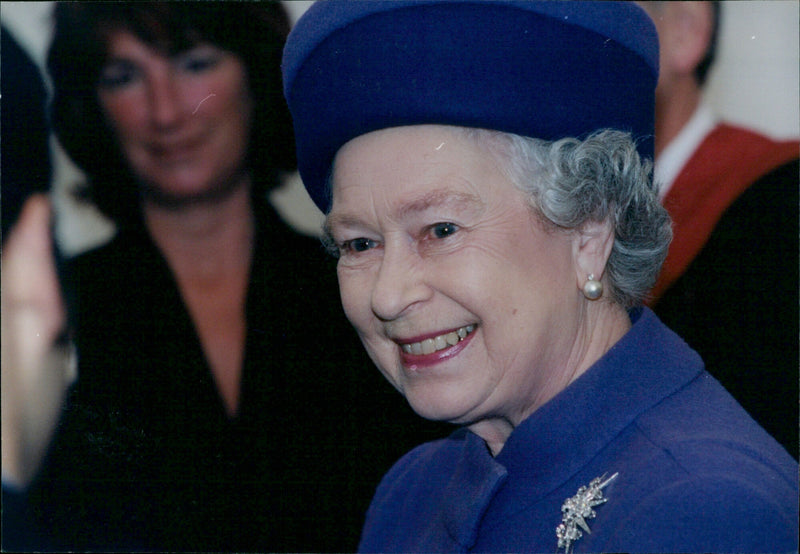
column 648, row 364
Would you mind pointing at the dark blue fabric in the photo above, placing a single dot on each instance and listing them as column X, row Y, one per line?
column 696, row 473
column 541, row 69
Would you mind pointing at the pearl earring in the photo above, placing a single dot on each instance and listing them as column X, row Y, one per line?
column 593, row 289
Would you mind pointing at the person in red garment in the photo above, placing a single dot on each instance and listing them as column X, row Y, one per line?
column 729, row 282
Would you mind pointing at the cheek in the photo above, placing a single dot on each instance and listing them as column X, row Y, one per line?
column 230, row 112
column 355, row 290
column 487, row 265
column 510, row 276
column 123, row 112
column 227, row 103
column 228, row 95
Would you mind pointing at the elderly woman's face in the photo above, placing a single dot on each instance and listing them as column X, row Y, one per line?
column 462, row 299
column 183, row 121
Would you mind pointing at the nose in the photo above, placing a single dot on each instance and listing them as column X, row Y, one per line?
column 400, row 283
column 164, row 98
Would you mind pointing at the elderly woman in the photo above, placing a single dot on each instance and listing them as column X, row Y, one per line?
column 207, row 411
column 484, row 167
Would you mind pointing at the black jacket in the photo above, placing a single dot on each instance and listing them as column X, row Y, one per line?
column 737, row 303
column 146, row 458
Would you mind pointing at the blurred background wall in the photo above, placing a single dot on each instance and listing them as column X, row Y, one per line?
column 755, row 82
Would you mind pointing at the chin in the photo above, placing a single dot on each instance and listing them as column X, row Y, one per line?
column 451, row 410
column 193, row 193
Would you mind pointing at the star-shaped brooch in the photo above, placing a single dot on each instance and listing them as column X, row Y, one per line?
column 578, row 509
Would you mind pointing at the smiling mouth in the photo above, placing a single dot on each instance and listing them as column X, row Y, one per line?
column 440, row 342
column 176, row 149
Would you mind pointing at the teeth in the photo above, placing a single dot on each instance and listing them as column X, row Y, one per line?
column 429, row 346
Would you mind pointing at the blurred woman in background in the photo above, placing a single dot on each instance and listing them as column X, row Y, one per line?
column 203, row 414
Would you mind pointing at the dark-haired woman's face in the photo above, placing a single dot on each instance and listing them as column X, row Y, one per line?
column 182, row 121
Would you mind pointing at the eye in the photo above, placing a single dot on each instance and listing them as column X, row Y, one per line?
column 117, row 74
column 357, row 245
column 443, row 230
column 198, row 60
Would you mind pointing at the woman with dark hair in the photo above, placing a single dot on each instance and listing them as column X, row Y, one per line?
column 213, row 358
column 78, row 64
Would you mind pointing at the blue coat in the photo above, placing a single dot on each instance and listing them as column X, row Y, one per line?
column 694, row 472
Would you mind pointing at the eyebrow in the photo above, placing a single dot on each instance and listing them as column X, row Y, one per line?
column 431, row 199
column 437, row 198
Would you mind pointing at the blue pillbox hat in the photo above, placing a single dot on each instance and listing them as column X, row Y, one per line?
column 547, row 70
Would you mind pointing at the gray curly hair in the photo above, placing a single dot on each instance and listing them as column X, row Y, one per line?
column 571, row 182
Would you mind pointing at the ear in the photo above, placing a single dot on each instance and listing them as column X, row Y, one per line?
column 687, row 29
column 591, row 248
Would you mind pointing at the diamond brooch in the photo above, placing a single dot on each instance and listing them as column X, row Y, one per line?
column 578, row 509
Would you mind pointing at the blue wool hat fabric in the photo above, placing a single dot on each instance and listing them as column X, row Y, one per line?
column 547, row 70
